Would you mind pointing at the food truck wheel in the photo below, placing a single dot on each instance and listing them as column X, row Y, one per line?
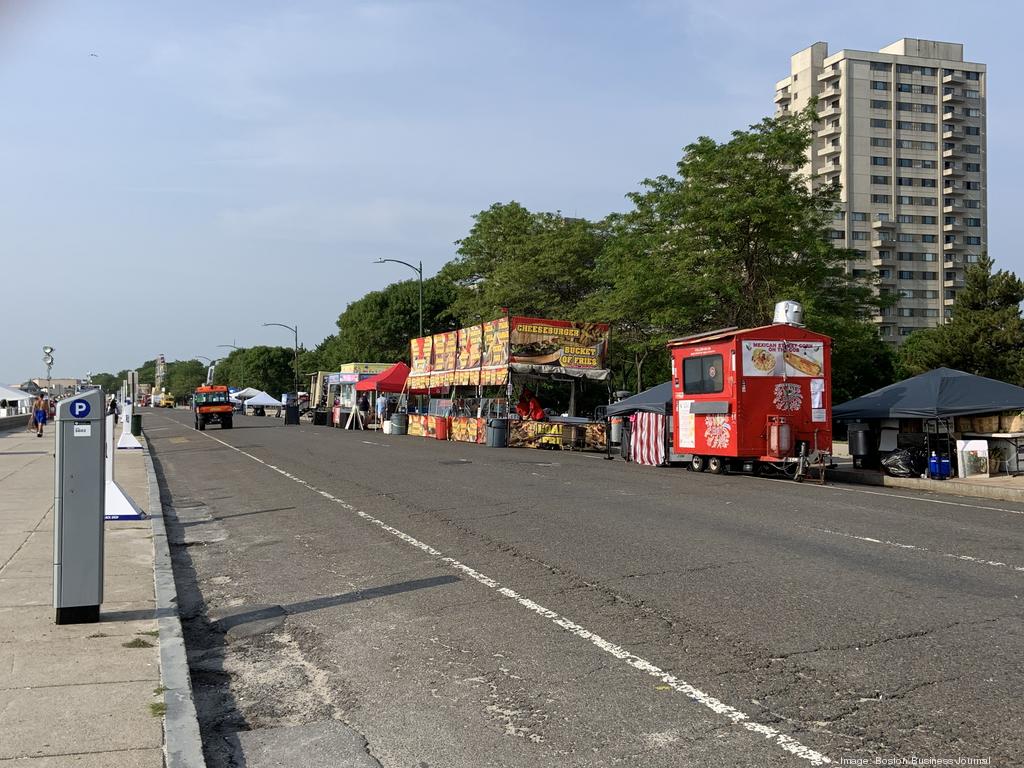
column 698, row 463
column 716, row 465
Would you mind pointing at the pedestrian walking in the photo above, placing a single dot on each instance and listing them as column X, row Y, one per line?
column 39, row 411
column 382, row 407
column 364, row 408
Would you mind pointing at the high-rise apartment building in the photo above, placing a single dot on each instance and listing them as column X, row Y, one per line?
column 903, row 131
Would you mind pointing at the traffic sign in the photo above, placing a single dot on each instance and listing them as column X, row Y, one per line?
column 80, row 409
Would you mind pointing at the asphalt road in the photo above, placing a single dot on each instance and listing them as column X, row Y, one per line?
column 465, row 606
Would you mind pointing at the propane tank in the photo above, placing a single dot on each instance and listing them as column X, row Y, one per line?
column 780, row 437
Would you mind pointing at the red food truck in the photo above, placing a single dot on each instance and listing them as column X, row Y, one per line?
column 754, row 397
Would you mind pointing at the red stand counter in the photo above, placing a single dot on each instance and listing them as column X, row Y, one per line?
column 752, row 397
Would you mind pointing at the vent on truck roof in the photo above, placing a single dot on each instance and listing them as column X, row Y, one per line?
column 705, row 334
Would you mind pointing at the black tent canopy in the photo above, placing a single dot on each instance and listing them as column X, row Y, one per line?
column 653, row 400
column 936, row 394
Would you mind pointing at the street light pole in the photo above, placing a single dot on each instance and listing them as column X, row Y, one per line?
column 419, row 271
column 48, row 359
column 232, row 346
column 295, row 330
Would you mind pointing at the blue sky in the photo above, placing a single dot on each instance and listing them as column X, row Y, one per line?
column 220, row 165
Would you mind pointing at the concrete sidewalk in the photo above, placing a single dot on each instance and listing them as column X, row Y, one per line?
column 87, row 694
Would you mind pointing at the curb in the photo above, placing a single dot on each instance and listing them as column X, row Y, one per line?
column 946, row 487
column 183, row 746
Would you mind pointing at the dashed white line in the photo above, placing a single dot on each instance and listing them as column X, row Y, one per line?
column 916, row 548
column 730, row 713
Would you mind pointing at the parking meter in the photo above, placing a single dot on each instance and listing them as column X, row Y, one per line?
column 78, row 506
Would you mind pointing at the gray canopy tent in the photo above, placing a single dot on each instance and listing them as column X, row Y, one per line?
column 935, row 397
column 937, row 394
column 654, row 400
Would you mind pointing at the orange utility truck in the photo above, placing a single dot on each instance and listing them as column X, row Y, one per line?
column 212, row 405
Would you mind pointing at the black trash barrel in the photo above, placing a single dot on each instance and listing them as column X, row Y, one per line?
column 860, row 442
column 136, row 424
column 291, row 414
column 399, row 423
column 626, row 439
column 497, row 433
column 319, row 418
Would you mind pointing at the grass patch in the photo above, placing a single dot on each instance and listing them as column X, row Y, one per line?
column 159, row 690
column 138, row 642
column 98, row 634
column 158, row 709
column 150, row 632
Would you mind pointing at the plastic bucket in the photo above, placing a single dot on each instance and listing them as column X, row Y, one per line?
column 386, row 426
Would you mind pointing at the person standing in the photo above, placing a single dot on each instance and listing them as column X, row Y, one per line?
column 364, row 408
column 382, row 408
column 112, row 408
column 39, row 409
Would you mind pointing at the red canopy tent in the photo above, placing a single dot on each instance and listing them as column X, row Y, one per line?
column 391, row 380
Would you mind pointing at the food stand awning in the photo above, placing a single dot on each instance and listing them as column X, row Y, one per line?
column 936, row 394
column 391, row 380
column 657, row 399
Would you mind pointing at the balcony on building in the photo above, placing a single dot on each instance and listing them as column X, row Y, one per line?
column 954, row 247
column 955, row 208
column 830, row 149
column 955, row 283
column 953, row 98
column 953, row 190
column 830, row 92
column 952, row 227
column 953, row 170
column 832, row 129
column 950, row 153
column 953, row 78
column 829, row 112
column 832, row 73
column 948, row 135
column 882, row 222
column 783, row 96
column 952, row 116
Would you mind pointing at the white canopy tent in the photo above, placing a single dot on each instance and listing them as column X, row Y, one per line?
column 14, row 395
column 263, row 399
column 245, row 394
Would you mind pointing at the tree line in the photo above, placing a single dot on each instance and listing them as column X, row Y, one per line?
column 733, row 229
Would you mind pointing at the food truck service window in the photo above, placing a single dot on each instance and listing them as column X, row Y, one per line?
column 703, row 375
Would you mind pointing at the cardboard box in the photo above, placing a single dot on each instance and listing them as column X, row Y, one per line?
column 985, row 424
column 1011, row 421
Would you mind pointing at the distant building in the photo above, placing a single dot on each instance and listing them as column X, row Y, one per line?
column 904, row 132
column 57, row 387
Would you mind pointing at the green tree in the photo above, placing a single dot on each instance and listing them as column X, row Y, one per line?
column 538, row 264
column 183, row 376
column 377, row 328
column 108, row 382
column 737, row 228
column 269, row 369
column 985, row 335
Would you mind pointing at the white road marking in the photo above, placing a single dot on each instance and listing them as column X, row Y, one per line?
column 370, row 442
column 916, row 548
column 733, row 715
column 890, row 495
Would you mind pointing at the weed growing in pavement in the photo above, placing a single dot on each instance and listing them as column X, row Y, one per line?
column 159, row 690
column 138, row 642
column 150, row 632
column 158, row 709
column 98, row 634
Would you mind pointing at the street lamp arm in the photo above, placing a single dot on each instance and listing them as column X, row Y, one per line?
column 418, row 270
column 281, row 325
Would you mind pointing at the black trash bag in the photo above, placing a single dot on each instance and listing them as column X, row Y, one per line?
column 904, row 463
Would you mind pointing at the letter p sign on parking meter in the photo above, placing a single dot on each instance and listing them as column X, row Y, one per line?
column 80, row 409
